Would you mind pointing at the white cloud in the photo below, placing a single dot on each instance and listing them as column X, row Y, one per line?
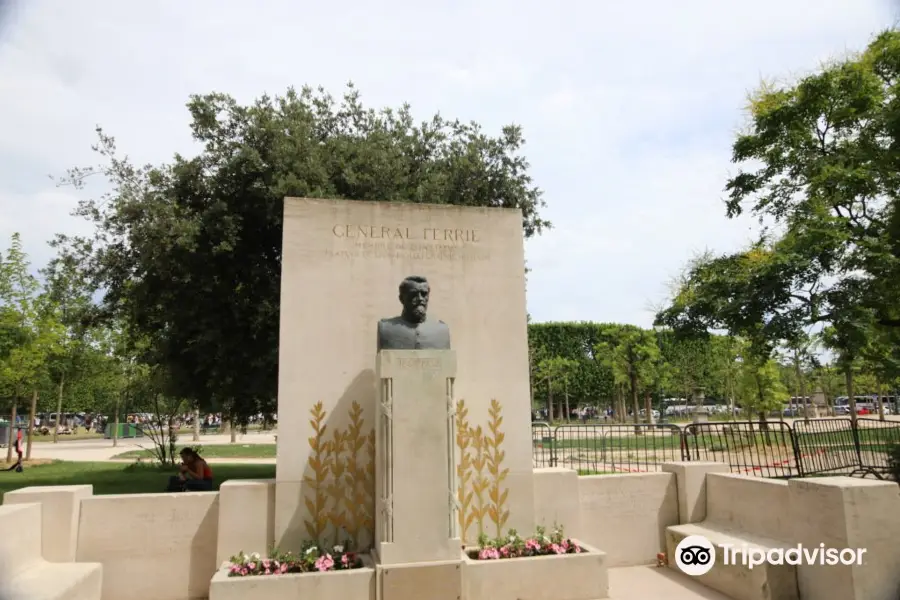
column 629, row 108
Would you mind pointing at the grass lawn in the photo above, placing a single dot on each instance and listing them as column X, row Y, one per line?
column 118, row 478
column 216, row 451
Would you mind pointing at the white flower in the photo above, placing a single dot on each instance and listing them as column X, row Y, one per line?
column 310, row 550
column 338, row 549
column 255, row 556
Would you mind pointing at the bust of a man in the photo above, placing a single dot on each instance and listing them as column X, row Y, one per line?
column 413, row 330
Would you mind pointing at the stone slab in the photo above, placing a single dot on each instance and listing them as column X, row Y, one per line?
column 342, row 262
column 440, row 580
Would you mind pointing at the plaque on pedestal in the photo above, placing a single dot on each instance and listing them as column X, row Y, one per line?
column 415, row 476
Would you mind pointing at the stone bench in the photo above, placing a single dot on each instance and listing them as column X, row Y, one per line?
column 741, row 511
column 738, row 581
column 27, row 575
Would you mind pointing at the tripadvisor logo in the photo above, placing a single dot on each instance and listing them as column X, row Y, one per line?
column 752, row 556
column 695, row 555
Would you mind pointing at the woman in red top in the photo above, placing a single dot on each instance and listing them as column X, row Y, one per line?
column 194, row 474
column 19, row 452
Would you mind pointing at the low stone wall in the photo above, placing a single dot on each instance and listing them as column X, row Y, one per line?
column 623, row 515
column 152, row 546
column 169, row 546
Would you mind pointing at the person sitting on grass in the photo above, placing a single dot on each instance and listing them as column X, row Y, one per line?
column 194, row 474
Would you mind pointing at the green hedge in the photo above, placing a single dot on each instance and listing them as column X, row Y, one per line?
column 591, row 383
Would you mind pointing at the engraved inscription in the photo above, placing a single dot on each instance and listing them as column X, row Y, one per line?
column 410, row 250
column 380, row 232
column 419, row 364
column 392, row 243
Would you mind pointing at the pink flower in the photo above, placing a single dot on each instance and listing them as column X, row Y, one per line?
column 577, row 549
column 532, row 544
column 324, row 562
column 557, row 549
column 267, row 564
column 251, row 565
column 283, row 568
column 504, row 552
column 235, row 569
column 488, row 554
column 267, row 572
column 345, row 560
column 244, row 572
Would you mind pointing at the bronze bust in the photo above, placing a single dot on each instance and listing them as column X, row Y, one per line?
column 413, row 330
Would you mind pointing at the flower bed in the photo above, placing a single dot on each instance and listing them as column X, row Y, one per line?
column 540, row 566
column 515, row 546
column 312, row 558
column 313, row 573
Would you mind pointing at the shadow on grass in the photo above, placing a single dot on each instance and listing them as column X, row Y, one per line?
column 118, row 478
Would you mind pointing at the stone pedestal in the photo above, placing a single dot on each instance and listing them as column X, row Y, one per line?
column 415, row 479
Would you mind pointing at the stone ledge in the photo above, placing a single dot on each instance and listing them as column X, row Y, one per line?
column 763, row 582
column 57, row 581
column 558, row 577
column 354, row 584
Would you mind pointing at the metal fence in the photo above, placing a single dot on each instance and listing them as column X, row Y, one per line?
column 774, row 449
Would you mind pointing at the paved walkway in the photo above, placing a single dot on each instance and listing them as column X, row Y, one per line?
column 100, row 450
column 654, row 583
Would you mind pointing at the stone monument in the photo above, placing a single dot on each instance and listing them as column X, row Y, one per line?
column 416, row 517
column 337, row 259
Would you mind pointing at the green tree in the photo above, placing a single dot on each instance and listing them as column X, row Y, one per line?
column 760, row 388
column 20, row 348
column 556, row 372
column 190, row 252
column 69, row 293
column 633, row 357
column 726, row 365
column 818, row 161
column 881, row 360
column 799, row 348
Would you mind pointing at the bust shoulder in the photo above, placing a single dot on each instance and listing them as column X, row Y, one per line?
column 392, row 321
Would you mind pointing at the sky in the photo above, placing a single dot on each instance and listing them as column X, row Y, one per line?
column 629, row 109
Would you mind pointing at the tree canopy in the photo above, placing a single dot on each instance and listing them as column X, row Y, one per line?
column 819, row 164
column 190, row 252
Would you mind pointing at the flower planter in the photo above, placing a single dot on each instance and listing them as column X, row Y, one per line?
column 353, row 584
column 555, row 577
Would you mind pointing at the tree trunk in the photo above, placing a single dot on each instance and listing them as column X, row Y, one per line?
column 550, row 400
column 731, row 397
column 635, row 406
column 880, row 402
column 196, row 437
column 648, row 406
column 566, row 392
column 12, row 428
column 232, row 424
column 115, row 430
column 763, row 418
column 59, row 399
column 801, row 382
column 851, row 400
column 32, row 411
